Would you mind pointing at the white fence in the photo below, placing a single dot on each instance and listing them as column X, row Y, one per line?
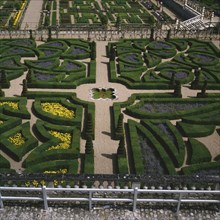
column 93, row 196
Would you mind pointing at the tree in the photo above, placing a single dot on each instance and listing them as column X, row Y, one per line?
column 204, row 87
column 89, row 126
column 24, row 90
column 121, row 147
column 152, row 34
column 89, row 145
column 2, row 94
column 177, row 89
column 112, row 53
column 4, row 78
column 172, row 80
column 93, row 50
column 195, row 83
column 168, row 34
column 120, row 129
column 29, row 76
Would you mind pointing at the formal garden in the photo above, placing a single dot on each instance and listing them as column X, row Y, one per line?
column 95, row 13
column 11, row 12
column 163, row 130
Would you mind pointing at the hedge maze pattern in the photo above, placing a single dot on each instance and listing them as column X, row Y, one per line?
column 148, row 64
column 163, row 130
column 52, row 144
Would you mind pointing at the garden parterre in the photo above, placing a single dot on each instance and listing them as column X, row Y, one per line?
column 155, row 133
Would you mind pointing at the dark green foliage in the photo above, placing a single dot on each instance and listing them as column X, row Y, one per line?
column 196, row 81
column 119, row 132
column 89, row 164
column 89, row 145
column 4, row 163
column 93, row 50
column 2, row 93
column 195, row 130
column 152, row 34
column 24, row 88
column 121, row 147
column 3, row 77
column 11, row 149
column 89, row 128
column 177, row 90
column 197, row 152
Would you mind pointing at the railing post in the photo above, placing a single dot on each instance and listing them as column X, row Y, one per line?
column 90, row 200
column 135, row 199
column 45, row 197
column 1, row 201
column 178, row 205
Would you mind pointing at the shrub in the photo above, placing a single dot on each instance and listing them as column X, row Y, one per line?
column 197, row 152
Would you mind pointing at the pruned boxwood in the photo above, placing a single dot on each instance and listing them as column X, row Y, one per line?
column 195, row 130
column 4, row 163
column 197, row 152
column 17, row 152
column 42, row 153
column 8, row 123
column 22, row 110
column 76, row 120
column 70, row 165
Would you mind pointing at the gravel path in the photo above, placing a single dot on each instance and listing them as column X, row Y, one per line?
column 32, row 15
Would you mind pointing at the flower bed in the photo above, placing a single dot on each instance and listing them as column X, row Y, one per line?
column 57, row 109
column 17, row 139
column 103, row 93
column 65, row 139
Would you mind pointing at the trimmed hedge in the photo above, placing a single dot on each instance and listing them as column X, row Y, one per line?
column 22, row 110
column 56, row 119
column 70, row 165
column 55, row 44
column 9, row 123
column 45, row 64
column 4, row 163
column 12, row 63
column 89, row 164
column 137, row 161
column 199, row 167
column 12, row 150
column 168, row 165
column 176, row 114
column 41, row 154
column 195, row 130
column 175, row 149
column 197, row 152
column 69, row 55
column 122, row 164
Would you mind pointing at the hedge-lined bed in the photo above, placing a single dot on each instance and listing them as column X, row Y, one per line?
column 145, row 64
column 61, row 57
column 156, row 134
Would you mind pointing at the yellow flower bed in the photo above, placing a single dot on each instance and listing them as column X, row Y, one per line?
column 13, row 105
column 16, row 18
column 57, row 109
column 17, row 139
column 1, row 122
column 63, row 171
column 64, row 137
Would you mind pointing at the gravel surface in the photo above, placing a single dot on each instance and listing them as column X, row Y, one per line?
column 105, row 212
